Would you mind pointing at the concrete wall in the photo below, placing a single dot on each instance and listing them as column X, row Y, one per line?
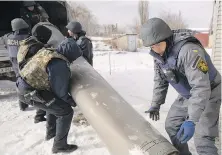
column 210, row 44
column 122, row 42
column 125, row 42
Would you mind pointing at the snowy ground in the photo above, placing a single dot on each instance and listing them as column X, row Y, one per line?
column 99, row 38
column 134, row 71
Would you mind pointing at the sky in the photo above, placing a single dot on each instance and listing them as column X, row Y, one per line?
column 197, row 14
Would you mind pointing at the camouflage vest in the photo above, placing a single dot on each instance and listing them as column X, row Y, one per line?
column 25, row 45
column 34, row 72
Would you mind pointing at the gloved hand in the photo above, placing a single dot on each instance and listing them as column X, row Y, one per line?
column 154, row 112
column 186, row 131
column 70, row 100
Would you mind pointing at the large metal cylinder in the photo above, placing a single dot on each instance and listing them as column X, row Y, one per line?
column 117, row 123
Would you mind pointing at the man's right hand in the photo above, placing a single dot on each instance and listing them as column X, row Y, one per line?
column 154, row 112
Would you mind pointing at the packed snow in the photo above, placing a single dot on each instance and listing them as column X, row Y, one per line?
column 100, row 46
column 93, row 38
column 134, row 71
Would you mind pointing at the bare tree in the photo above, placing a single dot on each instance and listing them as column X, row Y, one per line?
column 174, row 20
column 121, row 30
column 136, row 26
column 143, row 11
column 110, row 29
column 83, row 15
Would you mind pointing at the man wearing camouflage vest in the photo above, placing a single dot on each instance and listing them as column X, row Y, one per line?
column 85, row 44
column 45, row 78
column 181, row 60
column 20, row 32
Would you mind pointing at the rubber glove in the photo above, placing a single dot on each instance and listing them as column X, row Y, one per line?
column 186, row 131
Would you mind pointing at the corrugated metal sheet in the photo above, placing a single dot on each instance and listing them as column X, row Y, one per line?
column 217, row 50
column 217, row 41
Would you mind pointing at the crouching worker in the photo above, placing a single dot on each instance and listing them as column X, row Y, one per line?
column 44, row 81
column 181, row 61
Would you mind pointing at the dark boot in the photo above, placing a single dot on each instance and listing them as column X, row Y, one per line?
column 62, row 129
column 39, row 117
column 64, row 114
column 50, row 126
column 22, row 106
column 67, row 148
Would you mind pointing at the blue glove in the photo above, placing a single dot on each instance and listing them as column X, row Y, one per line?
column 154, row 112
column 186, row 131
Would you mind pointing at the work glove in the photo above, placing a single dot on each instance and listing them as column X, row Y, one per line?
column 154, row 112
column 186, row 131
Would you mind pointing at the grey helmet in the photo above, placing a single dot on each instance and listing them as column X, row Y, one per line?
column 154, row 31
column 18, row 24
column 74, row 27
column 29, row 3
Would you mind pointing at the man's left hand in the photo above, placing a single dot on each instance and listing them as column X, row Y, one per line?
column 186, row 131
column 154, row 112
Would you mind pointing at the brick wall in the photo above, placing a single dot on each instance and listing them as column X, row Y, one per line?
column 203, row 38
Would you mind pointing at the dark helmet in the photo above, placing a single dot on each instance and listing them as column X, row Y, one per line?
column 74, row 27
column 42, row 33
column 154, row 31
column 18, row 24
column 29, row 3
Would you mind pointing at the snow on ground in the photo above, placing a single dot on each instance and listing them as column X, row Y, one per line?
column 100, row 46
column 93, row 38
column 131, row 74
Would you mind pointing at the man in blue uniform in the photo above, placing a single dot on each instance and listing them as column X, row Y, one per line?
column 20, row 32
column 45, row 80
column 181, row 60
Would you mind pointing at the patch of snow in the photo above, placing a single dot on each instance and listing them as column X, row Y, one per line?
column 94, row 95
column 136, row 151
column 97, row 103
column 133, row 137
column 104, row 104
column 80, row 86
column 99, row 38
column 100, row 46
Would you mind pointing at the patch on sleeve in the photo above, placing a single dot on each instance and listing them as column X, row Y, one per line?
column 200, row 64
